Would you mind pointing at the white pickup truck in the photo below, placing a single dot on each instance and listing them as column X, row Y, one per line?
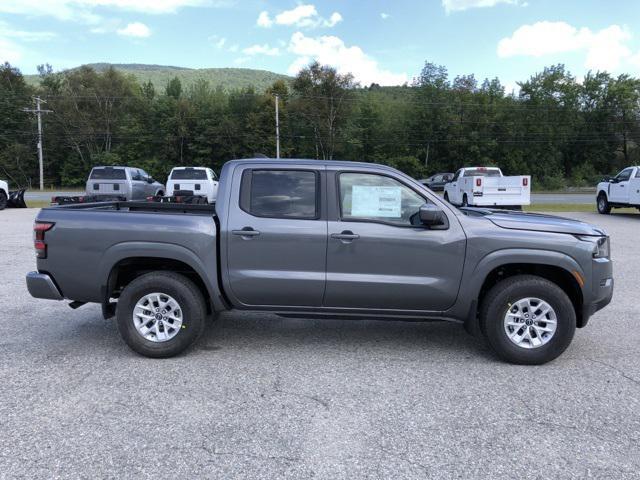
column 487, row 187
column 4, row 194
column 621, row 191
column 196, row 181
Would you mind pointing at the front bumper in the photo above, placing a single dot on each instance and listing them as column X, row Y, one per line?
column 601, row 288
column 40, row 285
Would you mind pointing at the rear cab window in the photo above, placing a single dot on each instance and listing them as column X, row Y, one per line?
column 189, row 174
column 280, row 193
column 108, row 173
column 482, row 172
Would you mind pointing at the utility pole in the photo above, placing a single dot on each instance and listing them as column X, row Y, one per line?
column 426, row 159
column 38, row 111
column 277, row 128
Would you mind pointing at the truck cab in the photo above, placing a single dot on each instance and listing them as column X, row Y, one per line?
column 621, row 191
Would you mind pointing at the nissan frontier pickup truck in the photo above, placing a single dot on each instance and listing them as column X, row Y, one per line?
column 310, row 238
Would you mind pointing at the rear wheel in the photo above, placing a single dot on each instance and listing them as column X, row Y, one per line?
column 527, row 320
column 161, row 314
column 3, row 200
column 446, row 197
column 603, row 204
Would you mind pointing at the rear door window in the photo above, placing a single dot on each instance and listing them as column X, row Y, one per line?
column 280, row 193
column 108, row 174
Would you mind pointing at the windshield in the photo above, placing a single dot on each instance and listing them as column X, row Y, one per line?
column 108, row 173
column 189, row 174
column 482, row 172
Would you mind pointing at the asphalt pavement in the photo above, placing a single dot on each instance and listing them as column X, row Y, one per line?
column 266, row 397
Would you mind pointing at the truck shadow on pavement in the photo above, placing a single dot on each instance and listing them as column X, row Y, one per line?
column 233, row 330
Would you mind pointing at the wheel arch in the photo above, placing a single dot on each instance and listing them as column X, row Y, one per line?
column 556, row 267
column 126, row 261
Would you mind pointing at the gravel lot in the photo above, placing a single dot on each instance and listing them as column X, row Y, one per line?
column 264, row 397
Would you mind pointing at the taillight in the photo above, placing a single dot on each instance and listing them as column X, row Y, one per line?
column 39, row 229
column 478, row 182
column 525, row 182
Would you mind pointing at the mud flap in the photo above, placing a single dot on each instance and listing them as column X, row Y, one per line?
column 16, row 199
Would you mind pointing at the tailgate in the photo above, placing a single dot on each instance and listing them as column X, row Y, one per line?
column 193, row 185
column 106, row 187
column 514, row 190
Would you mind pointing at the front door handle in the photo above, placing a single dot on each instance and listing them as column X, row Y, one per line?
column 345, row 236
column 246, row 232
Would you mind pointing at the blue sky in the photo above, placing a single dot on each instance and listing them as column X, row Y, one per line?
column 377, row 40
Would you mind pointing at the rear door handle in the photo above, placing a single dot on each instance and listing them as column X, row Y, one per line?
column 246, row 232
column 346, row 235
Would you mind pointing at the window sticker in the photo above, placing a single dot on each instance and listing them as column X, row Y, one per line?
column 367, row 201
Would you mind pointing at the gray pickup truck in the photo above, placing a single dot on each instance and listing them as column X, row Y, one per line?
column 310, row 238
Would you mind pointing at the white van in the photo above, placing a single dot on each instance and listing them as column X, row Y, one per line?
column 196, row 181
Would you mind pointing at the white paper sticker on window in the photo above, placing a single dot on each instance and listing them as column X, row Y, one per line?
column 369, row 201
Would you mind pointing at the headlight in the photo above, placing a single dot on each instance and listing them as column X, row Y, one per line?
column 601, row 245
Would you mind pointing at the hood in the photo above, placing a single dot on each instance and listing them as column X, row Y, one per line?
column 539, row 222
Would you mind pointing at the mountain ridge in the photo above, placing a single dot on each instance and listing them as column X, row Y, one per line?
column 229, row 78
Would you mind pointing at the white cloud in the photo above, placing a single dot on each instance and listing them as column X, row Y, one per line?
column 384, row 16
column 135, row 29
column 331, row 50
column 302, row 16
column 7, row 31
column 218, row 42
column 264, row 20
column 83, row 10
column 11, row 49
column 460, row 5
column 605, row 49
column 261, row 50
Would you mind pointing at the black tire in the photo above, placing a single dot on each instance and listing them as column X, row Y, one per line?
column 190, row 300
column 499, row 300
column 603, row 204
column 465, row 200
column 446, row 197
column 3, row 200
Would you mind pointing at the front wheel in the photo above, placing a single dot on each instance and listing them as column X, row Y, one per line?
column 161, row 314
column 3, row 200
column 603, row 204
column 527, row 320
column 465, row 200
column 446, row 197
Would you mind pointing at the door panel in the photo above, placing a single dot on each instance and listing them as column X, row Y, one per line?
column 390, row 267
column 379, row 256
column 280, row 261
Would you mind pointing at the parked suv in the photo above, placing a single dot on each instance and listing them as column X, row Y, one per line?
column 437, row 182
column 129, row 183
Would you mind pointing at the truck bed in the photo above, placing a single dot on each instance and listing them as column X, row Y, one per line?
column 150, row 207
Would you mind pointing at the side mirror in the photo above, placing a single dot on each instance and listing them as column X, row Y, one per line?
column 431, row 215
column 150, row 180
column 613, row 180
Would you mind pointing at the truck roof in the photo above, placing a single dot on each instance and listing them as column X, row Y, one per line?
column 311, row 162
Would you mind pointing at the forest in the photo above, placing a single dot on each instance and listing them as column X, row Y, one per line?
column 560, row 130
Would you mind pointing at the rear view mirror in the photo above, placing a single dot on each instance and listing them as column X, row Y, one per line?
column 431, row 215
